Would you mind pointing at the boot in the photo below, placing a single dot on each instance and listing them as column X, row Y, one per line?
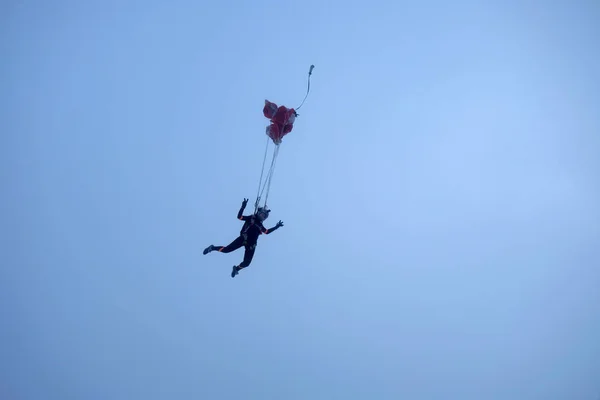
column 209, row 249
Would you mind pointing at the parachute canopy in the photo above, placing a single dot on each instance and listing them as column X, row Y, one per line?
column 282, row 120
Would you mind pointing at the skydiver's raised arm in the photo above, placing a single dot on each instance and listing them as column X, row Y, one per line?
column 239, row 216
column 271, row 230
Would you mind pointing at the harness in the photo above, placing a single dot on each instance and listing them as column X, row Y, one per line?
column 245, row 234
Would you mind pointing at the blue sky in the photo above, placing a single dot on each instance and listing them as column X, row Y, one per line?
column 439, row 191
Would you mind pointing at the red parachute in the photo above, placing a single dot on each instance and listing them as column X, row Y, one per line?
column 282, row 121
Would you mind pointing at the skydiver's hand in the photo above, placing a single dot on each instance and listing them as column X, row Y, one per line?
column 279, row 224
column 245, row 202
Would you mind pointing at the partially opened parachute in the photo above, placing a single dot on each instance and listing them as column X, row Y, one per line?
column 281, row 122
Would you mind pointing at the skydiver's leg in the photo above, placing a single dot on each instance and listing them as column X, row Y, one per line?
column 233, row 246
column 236, row 244
column 248, row 255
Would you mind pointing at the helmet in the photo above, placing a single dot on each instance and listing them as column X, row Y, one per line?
column 262, row 213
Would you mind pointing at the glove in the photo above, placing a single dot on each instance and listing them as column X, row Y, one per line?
column 244, row 203
column 279, row 224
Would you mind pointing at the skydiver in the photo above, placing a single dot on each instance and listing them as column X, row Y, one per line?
column 252, row 229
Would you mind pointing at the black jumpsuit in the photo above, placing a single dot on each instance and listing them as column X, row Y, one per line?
column 248, row 238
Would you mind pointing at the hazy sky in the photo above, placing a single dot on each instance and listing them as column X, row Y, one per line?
column 440, row 194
